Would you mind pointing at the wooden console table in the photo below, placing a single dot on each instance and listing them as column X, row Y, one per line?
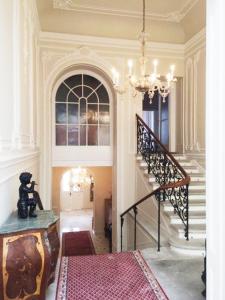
column 29, row 251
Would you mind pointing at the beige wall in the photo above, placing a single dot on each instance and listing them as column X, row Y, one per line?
column 195, row 20
column 102, row 189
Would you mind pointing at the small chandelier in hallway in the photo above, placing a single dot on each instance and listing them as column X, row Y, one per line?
column 76, row 180
column 145, row 82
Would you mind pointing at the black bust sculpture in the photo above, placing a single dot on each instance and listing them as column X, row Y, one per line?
column 26, row 206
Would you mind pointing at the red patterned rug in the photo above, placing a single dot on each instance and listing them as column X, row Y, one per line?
column 77, row 243
column 119, row 276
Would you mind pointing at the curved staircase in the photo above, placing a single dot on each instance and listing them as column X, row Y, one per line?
column 197, row 208
column 177, row 189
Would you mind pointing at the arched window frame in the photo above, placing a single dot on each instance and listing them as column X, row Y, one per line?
column 102, row 82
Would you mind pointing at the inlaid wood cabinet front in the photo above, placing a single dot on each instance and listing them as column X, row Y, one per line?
column 28, row 256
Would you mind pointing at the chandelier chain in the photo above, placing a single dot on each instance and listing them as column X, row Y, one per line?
column 143, row 30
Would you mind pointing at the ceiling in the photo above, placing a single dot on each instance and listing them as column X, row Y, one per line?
column 166, row 19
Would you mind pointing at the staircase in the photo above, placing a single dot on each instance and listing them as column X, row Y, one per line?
column 173, row 211
column 197, row 208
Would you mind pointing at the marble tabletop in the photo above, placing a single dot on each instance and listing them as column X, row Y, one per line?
column 44, row 219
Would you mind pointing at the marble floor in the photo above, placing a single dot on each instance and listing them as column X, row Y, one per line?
column 179, row 275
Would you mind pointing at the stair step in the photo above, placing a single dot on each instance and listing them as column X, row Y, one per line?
column 179, row 157
column 197, row 245
column 193, row 220
column 195, row 185
column 191, row 171
column 193, row 208
column 195, row 231
column 197, row 177
column 186, row 163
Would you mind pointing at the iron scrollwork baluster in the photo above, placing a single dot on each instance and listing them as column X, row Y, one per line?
column 165, row 170
column 121, row 233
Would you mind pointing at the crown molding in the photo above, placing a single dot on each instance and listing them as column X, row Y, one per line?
column 51, row 39
column 175, row 16
column 198, row 41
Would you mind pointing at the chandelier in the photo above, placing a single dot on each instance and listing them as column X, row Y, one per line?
column 77, row 180
column 146, row 82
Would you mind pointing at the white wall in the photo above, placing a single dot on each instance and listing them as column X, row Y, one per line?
column 194, row 95
column 19, row 30
column 75, row 200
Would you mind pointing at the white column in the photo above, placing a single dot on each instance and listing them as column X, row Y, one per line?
column 16, row 138
column 6, row 73
column 172, row 118
column 215, row 149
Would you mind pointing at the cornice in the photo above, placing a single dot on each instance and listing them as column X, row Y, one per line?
column 47, row 39
column 15, row 157
column 175, row 16
column 198, row 41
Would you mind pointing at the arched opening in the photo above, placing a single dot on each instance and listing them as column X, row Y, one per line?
column 82, row 135
column 76, row 190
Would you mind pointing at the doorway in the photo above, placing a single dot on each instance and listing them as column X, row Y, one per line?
column 156, row 116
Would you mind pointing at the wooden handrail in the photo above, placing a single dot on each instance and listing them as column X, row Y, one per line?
column 162, row 187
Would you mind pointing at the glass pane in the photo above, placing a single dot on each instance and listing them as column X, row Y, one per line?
column 91, row 81
column 83, row 112
column 104, row 114
column 60, row 113
column 93, row 98
column 78, row 91
column 92, row 135
column 92, row 114
column 61, row 93
column 87, row 91
column 83, row 135
column 74, row 81
column 72, row 97
column 61, row 132
column 104, row 135
column 73, row 135
column 102, row 94
column 73, row 113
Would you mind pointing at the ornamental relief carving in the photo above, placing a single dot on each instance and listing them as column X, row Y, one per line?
column 62, row 4
column 50, row 59
column 23, row 264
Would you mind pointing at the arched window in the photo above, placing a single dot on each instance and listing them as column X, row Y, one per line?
column 82, row 112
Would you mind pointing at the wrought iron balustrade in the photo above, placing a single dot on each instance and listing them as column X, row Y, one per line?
column 172, row 179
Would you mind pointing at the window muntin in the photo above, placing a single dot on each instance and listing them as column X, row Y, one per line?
column 82, row 112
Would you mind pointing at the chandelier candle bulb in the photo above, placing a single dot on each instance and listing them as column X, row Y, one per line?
column 130, row 66
column 115, row 77
column 155, row 64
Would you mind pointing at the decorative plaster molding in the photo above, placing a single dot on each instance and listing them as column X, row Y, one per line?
column 63, row 41
column 195, row 99
column 198, row 41
column 175, row 16
column 13, row 163
column 188, row 105
column 62, row 4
